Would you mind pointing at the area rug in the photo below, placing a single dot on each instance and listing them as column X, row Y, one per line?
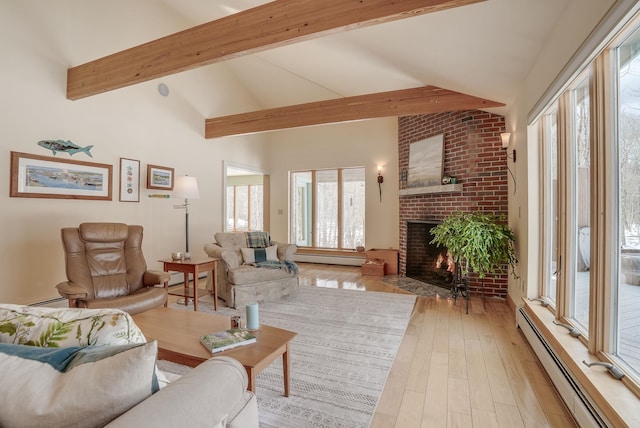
column 417, row 287
column 346, row 343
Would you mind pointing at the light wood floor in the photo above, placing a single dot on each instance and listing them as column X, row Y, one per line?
column 456, row 370
column 453, row 369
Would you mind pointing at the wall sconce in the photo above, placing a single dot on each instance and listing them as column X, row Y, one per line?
column 505, row 137
column 380, row 181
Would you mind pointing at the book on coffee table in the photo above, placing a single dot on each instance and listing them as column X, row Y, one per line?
column 227, row 339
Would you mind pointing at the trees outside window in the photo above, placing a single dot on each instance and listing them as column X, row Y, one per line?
column 245, row 207
column 627, row 58
column 328, row 208
column 580, row 185
column 590, row 140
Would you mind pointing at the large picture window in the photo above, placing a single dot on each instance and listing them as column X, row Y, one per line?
column 627, row 239
column 328, row 208
column 590, row 136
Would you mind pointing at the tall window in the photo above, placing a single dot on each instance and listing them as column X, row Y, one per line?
column 594, row 170
column 301, row 208
column 256, row 204
column 326, row 195
column 245, row 203
column 353, row 207
column 627, row 343
column 550, row 150
column 328, row 208
column 580, row 207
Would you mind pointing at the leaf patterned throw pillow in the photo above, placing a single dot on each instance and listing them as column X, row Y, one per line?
column 65, row 327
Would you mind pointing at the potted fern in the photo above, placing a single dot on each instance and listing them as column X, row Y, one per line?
column 478, row 242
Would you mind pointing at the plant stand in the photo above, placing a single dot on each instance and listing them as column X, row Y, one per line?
column 482, row 241
column 460, row 285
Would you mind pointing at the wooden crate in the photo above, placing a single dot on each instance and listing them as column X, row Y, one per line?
column 374, row 267
column 390, row 257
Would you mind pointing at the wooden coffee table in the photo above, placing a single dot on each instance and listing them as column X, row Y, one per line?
column 178, row 334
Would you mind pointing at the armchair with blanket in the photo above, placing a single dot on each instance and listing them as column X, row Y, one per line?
column 253, row 269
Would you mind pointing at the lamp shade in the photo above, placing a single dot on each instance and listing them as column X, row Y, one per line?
column 186, row 187
column 505, row 137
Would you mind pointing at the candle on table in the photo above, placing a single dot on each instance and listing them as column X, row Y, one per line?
column 253, row 321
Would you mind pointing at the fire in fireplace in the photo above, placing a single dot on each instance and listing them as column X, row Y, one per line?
column 427, row 262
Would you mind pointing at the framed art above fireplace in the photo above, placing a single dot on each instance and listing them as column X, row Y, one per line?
column 425, row 162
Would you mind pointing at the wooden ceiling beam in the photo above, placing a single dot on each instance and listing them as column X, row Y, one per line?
column 264, row 27
column 407, row 102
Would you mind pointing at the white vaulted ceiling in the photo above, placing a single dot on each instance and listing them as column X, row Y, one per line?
column 484, row 49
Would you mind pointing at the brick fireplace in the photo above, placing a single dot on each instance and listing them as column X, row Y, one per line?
column 425, row 261
column 474, row 156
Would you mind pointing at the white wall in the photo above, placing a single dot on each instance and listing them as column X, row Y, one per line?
column 578, row 20
column 38, row 42
column 366, row 143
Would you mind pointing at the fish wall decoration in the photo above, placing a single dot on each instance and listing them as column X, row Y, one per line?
column 64, row 146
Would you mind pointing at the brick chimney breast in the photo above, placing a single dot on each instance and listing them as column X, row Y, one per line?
column 473, row 154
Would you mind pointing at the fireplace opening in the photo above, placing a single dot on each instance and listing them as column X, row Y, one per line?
column 425, row 261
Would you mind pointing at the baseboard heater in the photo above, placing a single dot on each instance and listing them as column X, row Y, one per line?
column 58, row 302
column 329, row 259
column 576, row 400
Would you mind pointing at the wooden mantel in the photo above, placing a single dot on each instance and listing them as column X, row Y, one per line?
column 407, row 102
column 444, row 188
column 264, row 27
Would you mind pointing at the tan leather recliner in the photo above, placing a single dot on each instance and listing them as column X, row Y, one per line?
column 106, row 269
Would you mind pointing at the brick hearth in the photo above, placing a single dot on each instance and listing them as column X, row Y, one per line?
column 473, row 154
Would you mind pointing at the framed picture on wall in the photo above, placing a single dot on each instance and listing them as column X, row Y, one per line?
column 129, row 180
column 425, row 162
column 35, row 176
column 159, row 177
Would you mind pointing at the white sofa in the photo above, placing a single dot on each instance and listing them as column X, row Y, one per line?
column 214, row 394
column 87, row 368
column 241, row 283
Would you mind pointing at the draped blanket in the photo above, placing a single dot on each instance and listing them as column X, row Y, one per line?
column 257, row 239
column 290, row 267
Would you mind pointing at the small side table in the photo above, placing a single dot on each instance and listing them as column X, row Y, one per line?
column 192, row 266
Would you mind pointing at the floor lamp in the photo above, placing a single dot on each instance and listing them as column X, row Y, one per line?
column 186, row 187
